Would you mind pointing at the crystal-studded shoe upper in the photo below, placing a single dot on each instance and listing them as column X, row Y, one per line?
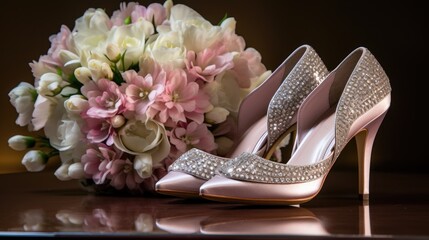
column 301, row 72
column 355, row 87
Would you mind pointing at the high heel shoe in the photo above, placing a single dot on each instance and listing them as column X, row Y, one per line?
column 351, row 102
column 290, row 83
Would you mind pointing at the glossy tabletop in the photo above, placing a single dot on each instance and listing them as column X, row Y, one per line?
column 37, row 204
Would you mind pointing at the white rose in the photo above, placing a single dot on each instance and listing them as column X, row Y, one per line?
column 63, row 132
column 168, row 50
column 50, row 84
column 35, row 160
column 217, row 115
column 19, row 142
column 147, row 137
column 22, row 98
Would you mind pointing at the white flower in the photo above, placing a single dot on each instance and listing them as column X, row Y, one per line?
column 99, row 69
column 69, row 171
column 35, row 160
column 75, row 171
column 63, row 132
column 217, row 115
column 50, row 84
column 43, row 108
column 198, row 33
column 22, row 98
column 131, row 40
column 90, row 32
column 167, row 50
column 62, row 173
column 19, row 142
column 113, row 52
column 140, row 137
column 143, row 165
column 75, row 105
column 82, row 74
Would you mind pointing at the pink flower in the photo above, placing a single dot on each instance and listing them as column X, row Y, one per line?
column 123, row 173
column 104, row 98
column 59, row 42
column 154, row 13
column 96, row 159
column 98, row 130
column 141, row 91
column 208, row 63
column 194, row 135
column 180, row 100
column 247, row 66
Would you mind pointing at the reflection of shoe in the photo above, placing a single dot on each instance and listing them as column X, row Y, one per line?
column 290, row 221
column 351, row 102
column 296, row 77
column 183, row 217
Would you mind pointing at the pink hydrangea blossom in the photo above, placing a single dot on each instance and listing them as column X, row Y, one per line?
column 193, row 135
column 180, row 100
column 104, row 98
column 141, row 91
column 123, row 173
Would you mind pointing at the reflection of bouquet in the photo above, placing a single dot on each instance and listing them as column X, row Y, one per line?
column 119, row 98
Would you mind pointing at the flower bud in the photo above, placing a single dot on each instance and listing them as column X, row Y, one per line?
column 75, row 170
column 19, row 142
column 62, row 173
column 143, row 165
column 99, row 69
column 113, row 52
column 50, row 84
column 217, row 115
column 82, row 74
column 117, row 121
column 35, row 160
column 75, row 104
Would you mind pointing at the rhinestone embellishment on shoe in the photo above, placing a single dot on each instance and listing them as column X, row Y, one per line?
column 252, row 168
column 198, row 163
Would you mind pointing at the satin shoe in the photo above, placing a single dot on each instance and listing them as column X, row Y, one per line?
column 351, row 102
column 280, row 95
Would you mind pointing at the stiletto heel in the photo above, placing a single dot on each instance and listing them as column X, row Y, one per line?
column 280, row 95
column 350, row 102
column 364, row 142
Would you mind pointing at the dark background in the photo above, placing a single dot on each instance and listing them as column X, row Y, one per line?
column 395, row 32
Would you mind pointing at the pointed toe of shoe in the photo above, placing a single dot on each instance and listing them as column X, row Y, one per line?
column 179, row 184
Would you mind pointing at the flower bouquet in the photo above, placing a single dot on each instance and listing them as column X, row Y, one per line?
column 118, row 98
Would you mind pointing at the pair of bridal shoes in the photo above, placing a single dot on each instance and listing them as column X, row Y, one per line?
column 349, row 102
